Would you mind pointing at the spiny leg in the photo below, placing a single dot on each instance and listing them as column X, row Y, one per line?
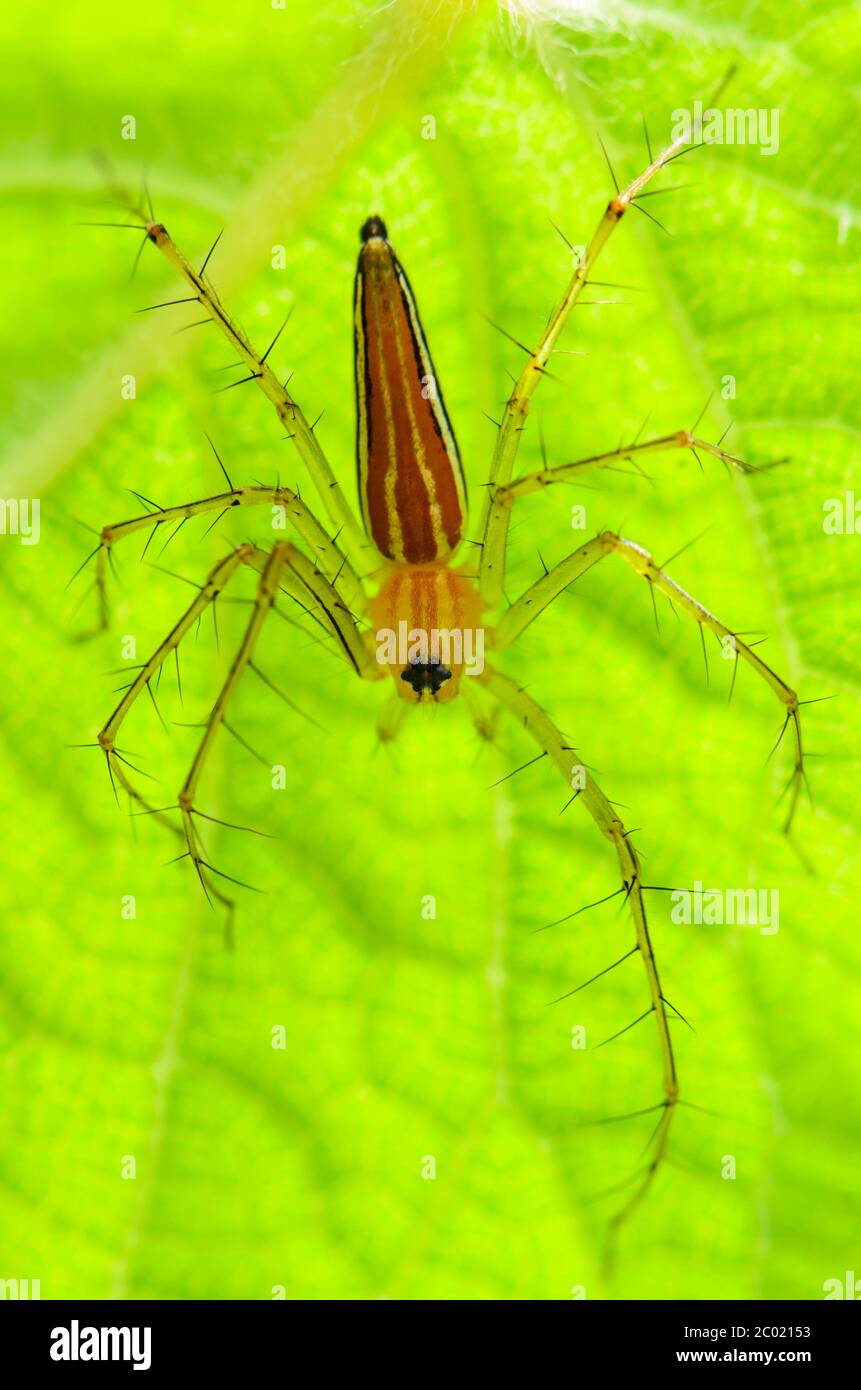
column 321, row 600
column 503, row 498
column 283, row 563
column 332, row 562
column 517, row 406
column 391, row 718
column 218, row 577
column 542, row 593
column 283, row 569
column 267, row 589
column 298, row 578
column 483, row 723
column 216, row 581
column 552, row 743
column 355, row 541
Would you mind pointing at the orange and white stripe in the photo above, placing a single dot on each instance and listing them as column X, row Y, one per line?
column 411, row 483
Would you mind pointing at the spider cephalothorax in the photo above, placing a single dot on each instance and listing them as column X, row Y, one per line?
column 422, row 622
column 425, row 616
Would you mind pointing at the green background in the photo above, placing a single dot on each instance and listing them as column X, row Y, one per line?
column 407, row 1038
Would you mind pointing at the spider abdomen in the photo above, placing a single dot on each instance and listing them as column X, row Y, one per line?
column 410, row 479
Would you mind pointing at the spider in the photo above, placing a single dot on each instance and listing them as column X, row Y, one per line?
column 391, row 590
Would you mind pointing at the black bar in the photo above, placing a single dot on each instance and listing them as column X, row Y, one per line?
column 230, row 1338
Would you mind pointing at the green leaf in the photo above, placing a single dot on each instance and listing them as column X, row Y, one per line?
column 410, row 1038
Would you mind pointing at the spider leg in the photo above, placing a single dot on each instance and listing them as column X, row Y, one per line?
column 288, row 411
column 267, row 590
column 504, row 497
column 391, row 719
column 483, row 722
column 218, row 577
column 517, row 407
column 333, row 564
column 283, row 569
column 545, row 590
column 552, row 743
column 271, row 566
column 318, row 596
column 300, row 579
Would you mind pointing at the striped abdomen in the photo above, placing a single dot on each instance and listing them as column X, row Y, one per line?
column 411, row 484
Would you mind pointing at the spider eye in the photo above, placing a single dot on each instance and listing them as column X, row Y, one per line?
column 425, row 675
column 375, row 226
